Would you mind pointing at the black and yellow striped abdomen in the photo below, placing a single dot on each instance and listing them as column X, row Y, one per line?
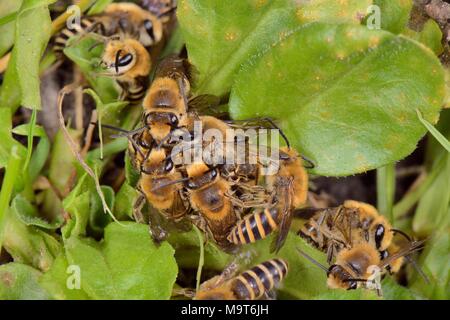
column 259, row 280
column 61, row 39
column 255, row 226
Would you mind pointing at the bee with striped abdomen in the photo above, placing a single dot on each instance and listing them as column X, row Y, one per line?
column 124, row 19
column 289, row 188
column 253, row 284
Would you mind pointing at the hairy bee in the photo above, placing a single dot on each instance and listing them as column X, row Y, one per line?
column 289, row 188
column 362, row 264
column 129, row 63
column 207, row 191
column 252, row 284
column 158, row 170
column 333, row 229
column 160, row 8
column 166, row 102
column 124, row 19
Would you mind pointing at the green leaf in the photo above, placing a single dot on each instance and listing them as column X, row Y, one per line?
column 435, row 133
column 21, row 282
column 127, row 265
column 32, row 34
column 125, row 199
column 332, row 11
column 434, row 260
column 220, row 36
column 6, row 192
column 433, row 205
column 98, row 219
column 55, row 281
column 393, row 291
column 187, row 252
column 78, row 208
column 7, row 30
column 62, row 160
column 29, row 245
column 341, row 294
column 350, row 86
column 29, row 215
column 7, row 141
column 430, row 36
column 394, row 14
column 99, row 6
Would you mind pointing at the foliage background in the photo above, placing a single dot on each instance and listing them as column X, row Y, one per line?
column 348, row 97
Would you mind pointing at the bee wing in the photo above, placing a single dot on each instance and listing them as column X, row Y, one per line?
column 285, row 224
column 411, row 248
column 207, row 104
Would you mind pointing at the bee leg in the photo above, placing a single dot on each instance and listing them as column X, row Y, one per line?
column 137, row 209
column 270, row 295
column 330, row 253
column 227, row 273
column 184, row 292
column 157, row 232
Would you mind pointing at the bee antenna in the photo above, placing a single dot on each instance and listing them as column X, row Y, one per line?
column 311, row 259
column 418, row 268
column 167, row 12
column 311, row 163
column 404, row 234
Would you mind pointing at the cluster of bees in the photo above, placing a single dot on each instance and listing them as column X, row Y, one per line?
column 233, row 204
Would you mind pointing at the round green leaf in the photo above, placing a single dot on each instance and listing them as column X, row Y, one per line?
column 222, row 35
column 127, row 265
column 344, row 95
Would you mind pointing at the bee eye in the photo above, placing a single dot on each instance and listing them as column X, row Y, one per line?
column 173, row 120
column 191, row 184
column 213, row 174
column 353, row 285
column 169, row 165
column 148, row 25
column 147, row 118
column 125, row 60
column 384, row 254
column 379, row 235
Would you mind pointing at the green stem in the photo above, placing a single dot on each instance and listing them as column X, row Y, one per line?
column 411, row 198
column 201, row 259
column 386, row 190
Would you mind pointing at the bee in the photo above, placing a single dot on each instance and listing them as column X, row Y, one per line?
column 289, row 188
column 166, row 101
column 252, row 284
column 362, row 264
column 160, row 8
column 334, row 229
column 158, row 170
column 125, row 19
column 206, row 191
column 129, row 63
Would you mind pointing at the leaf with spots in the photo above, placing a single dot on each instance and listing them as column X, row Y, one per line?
column 20, row 282
column 221, row 35
column 348, row 101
